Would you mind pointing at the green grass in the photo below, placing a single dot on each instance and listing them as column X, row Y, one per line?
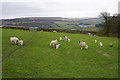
column 37, row 60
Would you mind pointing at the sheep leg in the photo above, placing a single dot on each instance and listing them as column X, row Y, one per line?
column 12, row 43
column 15, row 42
column 55, row 46
column 81, row 47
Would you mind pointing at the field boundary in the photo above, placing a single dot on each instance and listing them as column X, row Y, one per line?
column 98, row 33
column 12, row 52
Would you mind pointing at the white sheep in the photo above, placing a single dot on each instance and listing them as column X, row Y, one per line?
column 53, row 43
column 60, row 38
column 68, row 40
column 82, row 44
column 57, row 46
column 20, row 42
column 101, row 44
column 41, row 31
column 89, row 33
column 14, row 40
column 86, row 47
column 55, row 31
column 65, row 38
column 95, row 41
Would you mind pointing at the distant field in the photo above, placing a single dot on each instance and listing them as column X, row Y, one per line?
column 37, row 60
column 91, row 29
column 91, row 21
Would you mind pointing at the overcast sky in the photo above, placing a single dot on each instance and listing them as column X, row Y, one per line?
column 57, row 8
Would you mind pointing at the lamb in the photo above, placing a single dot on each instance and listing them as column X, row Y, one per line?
column 65, row 38
column 60, row 38
column 53, row 43
column 111, row 45
column 82, row 44
column 20, row 42
column 14, row 40
column 95, row 41
column 68, row 40
column 89, row 33
column 57, row 46
column 55, row 31
column 86, row 47
column 41, row 31
column 101, row 44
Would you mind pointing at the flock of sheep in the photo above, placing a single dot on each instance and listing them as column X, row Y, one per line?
column 83, row 45
column 15, row 40
column 54, row 43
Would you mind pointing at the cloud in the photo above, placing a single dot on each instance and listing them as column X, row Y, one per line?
column 58, row 8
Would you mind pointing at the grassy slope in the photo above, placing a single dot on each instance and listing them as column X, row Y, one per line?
column 37, row 59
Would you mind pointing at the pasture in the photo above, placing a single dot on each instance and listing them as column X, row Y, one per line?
column 37, row 60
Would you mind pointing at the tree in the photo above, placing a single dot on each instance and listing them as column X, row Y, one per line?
column 106, row 17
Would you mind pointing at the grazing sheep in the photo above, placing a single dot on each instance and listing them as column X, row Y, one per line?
column 65, row 38
column 14, row 40
column 60, row 38
column 68, row 40
column 82, row 44
column 101, row 44
column 55, row 31
column 95, row 41
column 89, row 33
column 41, row 31
column 111, row 45
column 20, row 42
column 57, row 46
column 53, row 43
column 86, row 47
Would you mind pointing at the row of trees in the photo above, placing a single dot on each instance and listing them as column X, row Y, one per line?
column 110, row 23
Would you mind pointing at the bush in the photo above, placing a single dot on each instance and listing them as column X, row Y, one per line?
column 100, row 33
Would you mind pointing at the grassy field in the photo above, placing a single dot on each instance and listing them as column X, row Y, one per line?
column 37, row 60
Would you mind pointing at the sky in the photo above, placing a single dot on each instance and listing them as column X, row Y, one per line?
column 56, row 8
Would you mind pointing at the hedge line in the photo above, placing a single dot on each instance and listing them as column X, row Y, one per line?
column 99, row 33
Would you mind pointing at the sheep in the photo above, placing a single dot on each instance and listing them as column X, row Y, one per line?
column 86, row 47
column 60, row 38
column 101, row 44
column 14, row 40
column 41, row 31
column 20, row 42
column 89, row 33
column 95, row 41
column 53, row 43
column 111, row 45
column 82, row 44
column 68, row 40
column 65, row 38
column 55, row 31
column 57, row 46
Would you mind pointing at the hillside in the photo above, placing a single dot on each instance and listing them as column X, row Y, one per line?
column 36, row 59
column 53, row 22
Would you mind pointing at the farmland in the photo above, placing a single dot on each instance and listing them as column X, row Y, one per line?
column 37, row 60
column 54, row 22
